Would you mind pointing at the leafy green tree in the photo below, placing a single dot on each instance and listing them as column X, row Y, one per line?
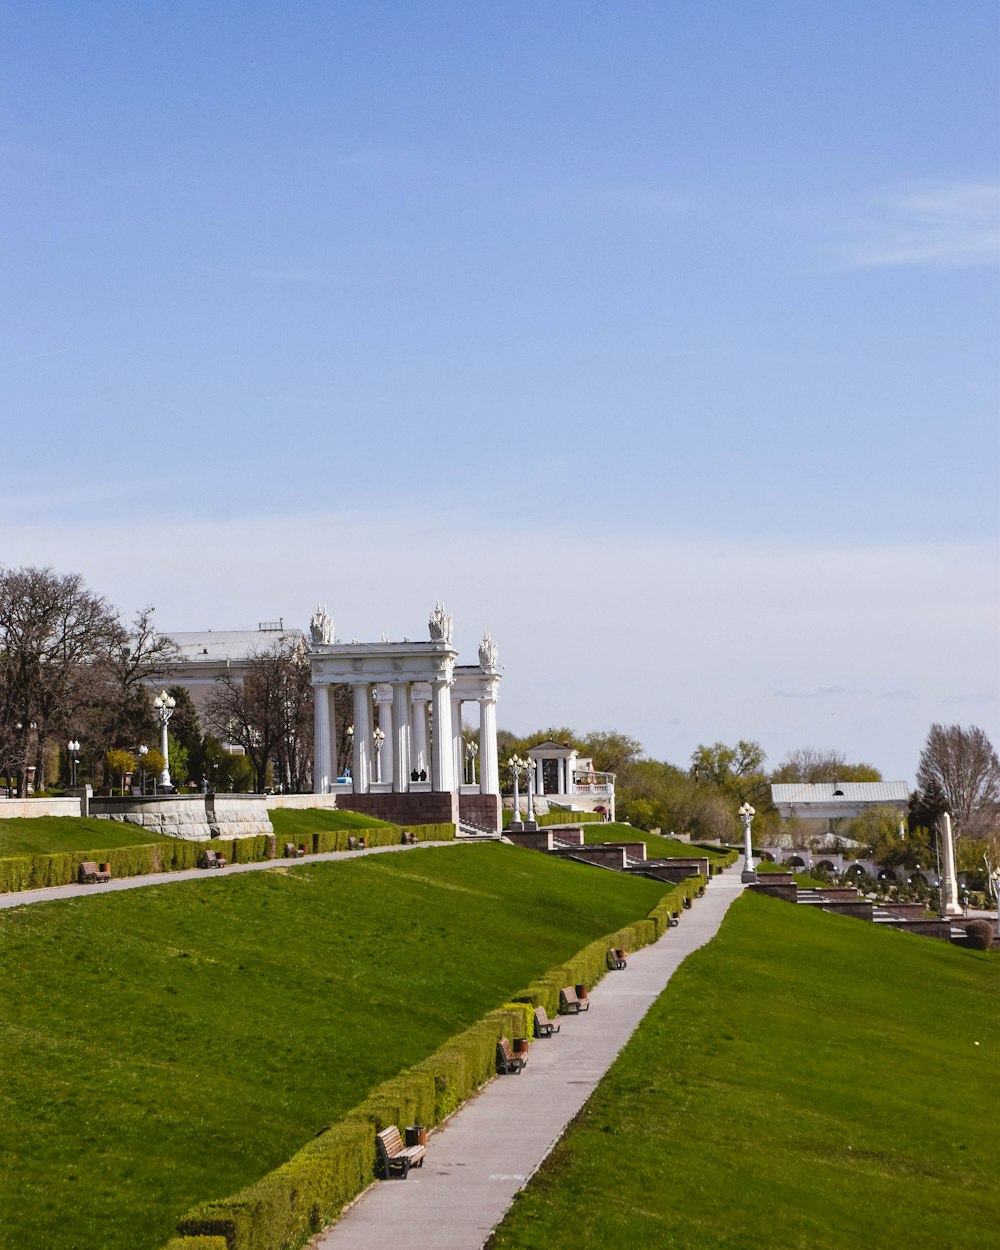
column 737, row 770
column 121, row 763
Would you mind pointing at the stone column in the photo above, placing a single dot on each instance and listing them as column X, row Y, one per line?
column 489, row 765
column 420, row 693
column 362, row 738
column 383, row 698
column 539, row 777
column 949, row 886
column 564, row 776
column 324, row 769
column 443, row 746
column 401, row 735
column 458, row 751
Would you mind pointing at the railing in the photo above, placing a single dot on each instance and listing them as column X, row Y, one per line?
column 596, row 787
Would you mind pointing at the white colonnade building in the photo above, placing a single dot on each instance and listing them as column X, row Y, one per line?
column 408, row 752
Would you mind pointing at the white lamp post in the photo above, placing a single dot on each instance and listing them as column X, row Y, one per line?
column 74, row 754
column 349, row 769
column 529, row 781
column 379, row 736
column 143, row 752
column 164, row 705
column 515, row 763
column 749, row 873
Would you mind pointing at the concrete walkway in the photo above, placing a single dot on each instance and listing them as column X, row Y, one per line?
column 478, row 1160
column 22, row 898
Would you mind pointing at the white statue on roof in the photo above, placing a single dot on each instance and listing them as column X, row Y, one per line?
column 440, row 625
column 488, row 652
column 321, row 625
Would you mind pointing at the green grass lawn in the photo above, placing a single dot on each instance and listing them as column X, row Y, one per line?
column 170, row 1044
column 805, row 1081
column 294, row 822
column 657, row 846
column 44, row 835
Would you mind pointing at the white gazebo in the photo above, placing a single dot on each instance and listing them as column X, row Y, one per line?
column 564, row 778
column 408, row 697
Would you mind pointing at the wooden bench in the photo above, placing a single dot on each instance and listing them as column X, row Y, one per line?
column 211, row 859
column 294, row 852
column 616, row 960
column 409, row 839
column 571, row 1003
column 89, row 872
column 507, row 1061
column 544, row 1027
column 357, row 844
column 394, row 1157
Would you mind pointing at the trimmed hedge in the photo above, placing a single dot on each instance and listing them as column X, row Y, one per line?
column 557, row 817
column 308, row 1192
column 32, row 872
column 196, row 1243
column 379, row 835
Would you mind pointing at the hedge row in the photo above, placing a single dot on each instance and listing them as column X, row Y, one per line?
column 379, row 835
column 32, row 872
column 557, row 817
column 302, row 1196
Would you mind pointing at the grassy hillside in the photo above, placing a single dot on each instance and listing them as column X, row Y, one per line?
column 170, row 1044
column 804, row 1081
column 657, row 846
column 43, row 835
column 293, row 822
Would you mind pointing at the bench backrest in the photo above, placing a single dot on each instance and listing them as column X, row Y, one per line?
column 88, row 866
column 390, row 1141
column 542, row 1016
column 289, row 848
column 504, row 1047
column 211, row 857
column 569, row 993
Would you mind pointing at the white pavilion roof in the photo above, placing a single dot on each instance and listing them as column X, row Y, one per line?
column 214, row 646
column 847, row 792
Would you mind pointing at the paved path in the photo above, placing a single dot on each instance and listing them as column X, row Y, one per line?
column 478, row 1160
column 22, row 898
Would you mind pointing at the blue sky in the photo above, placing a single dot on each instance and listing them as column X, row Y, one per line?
column 659, row 339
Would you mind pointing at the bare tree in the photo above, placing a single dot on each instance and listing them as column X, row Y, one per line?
column 269, row 714
column 809, row 765
column 964, row 765
column 54, row 633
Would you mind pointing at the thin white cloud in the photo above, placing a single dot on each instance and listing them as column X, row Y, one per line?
column 16, row 360
column 948, row 226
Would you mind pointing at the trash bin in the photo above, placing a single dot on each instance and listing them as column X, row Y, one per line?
column 416, row 1135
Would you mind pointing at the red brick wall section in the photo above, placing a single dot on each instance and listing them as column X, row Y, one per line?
column 481, row 809
column 404, row 809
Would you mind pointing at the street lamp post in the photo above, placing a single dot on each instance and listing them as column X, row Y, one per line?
column 349, row 768
column 379, row 737
column 749, row 873
column 74, row 754
column 515, row 763
column 143, row 752
column 164, row 705
column 529, row 782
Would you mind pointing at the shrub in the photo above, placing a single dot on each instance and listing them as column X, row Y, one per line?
column 979, row 934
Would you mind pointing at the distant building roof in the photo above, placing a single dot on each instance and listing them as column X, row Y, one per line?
column 213, row 646
column 847, row 792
